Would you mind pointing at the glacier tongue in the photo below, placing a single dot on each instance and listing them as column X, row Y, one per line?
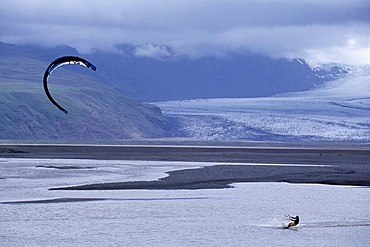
column 339, row 111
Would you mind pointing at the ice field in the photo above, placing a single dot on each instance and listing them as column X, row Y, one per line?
column 339, row 111
column 251, row 214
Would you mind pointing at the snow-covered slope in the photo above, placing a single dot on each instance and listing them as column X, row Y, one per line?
column 337, row 111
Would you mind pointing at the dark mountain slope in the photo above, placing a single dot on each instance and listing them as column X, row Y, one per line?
column 96, row 109
column 237, row 75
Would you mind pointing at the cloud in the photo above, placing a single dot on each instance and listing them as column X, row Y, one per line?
column 320, row 31
column 150, row 50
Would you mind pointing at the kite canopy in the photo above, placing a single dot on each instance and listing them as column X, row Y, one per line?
column 61, row 62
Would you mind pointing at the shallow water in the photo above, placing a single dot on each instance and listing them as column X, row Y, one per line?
column 251, row 214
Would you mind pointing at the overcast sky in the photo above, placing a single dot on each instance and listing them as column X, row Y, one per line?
column 316, row 30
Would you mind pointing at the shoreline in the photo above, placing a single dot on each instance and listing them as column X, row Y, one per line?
column 319, row 165
column 223, row 176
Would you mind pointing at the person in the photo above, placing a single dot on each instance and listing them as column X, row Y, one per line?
column 294, row 221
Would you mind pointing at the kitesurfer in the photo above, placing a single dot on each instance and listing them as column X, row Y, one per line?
column 294, row 221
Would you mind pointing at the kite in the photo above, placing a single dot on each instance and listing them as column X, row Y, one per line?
column 61, row 62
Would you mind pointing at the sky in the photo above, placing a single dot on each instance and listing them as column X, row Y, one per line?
column 319, row 31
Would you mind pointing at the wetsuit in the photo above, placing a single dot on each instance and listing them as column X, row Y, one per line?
column 295, row 221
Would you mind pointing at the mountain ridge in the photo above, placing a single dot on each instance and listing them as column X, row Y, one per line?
column 105, row 105
column 96, row 109
column 155, row 77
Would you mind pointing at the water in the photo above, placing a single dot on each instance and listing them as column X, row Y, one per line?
column 251, row 214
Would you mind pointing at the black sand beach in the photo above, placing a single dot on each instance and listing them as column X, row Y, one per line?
column 324, row 165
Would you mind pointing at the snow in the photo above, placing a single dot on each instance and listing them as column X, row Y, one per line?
column 251, row 214
column 339, row 111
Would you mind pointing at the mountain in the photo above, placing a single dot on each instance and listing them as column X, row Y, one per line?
column 157, row 73
column 336, row 111
column 96, row 109
column 101, row 104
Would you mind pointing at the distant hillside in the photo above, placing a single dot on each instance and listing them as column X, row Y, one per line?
column 96, row 109
column 168, row 76
column 164, row 75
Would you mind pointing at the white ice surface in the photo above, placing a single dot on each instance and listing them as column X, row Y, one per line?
column 249, row 215
column 338, row 111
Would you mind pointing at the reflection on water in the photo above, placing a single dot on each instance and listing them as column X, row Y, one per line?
column 251, row 214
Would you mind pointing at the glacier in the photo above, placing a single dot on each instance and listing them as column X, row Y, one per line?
column 336, row 111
